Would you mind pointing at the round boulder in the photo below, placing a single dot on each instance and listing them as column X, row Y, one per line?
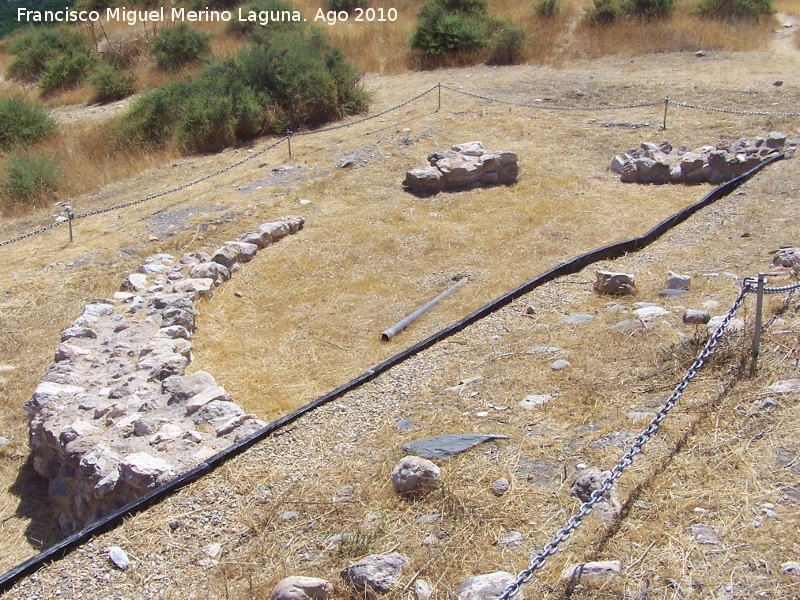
column 415, row 475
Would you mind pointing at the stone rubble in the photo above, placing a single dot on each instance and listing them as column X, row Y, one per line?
column 376, row 573
column 662, row 164
column 465, row 166
column 116, row 414
column 487, row 587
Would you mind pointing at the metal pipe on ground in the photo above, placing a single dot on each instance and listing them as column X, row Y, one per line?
column 400, row 325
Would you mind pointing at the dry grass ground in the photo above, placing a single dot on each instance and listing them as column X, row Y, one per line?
column 311, row 309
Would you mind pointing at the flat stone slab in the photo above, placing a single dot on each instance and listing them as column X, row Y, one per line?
column 445, row 446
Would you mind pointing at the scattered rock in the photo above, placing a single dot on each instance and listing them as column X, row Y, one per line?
column 302, row 588
column 534, row 400
column 415, row 475
column 500, row 486
column 376, row 573
column 787, row 386
column 486, row 587
column 704, row 534
column 587, row 481
column 696, row 317
column 650, row 312
column 405, row 424
column 593, row 571
column 511, row 539
column 118, row 558
column 628, row 326
column 678, row 282
column 422, row 590
column 615, row 284
column 787, row 256
column 577, row 318
column 445, row 446
column 560, row 365
column 791, row 568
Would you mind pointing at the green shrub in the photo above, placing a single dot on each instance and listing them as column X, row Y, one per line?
column 449, row 28
column 23, row 123
column 507, row 45
column 35, row 48
column 67, row 70
column 346, row 5
column 734, row 9
column 111, row 84
column 308, row 78
column 178, row 46
column 650, row 9
column 603, row 12
column 29, row 177
column 547, row 8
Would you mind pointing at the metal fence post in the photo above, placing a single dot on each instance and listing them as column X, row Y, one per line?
column 70, row 216
column 289, row 141
column 666, row 106
column 757, row 332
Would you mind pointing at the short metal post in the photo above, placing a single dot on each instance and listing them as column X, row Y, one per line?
column 289, row 141
column 666, row 106
column 440, row 97
column 70, row 216
column 757, row 332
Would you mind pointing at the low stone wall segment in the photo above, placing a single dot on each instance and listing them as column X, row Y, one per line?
column 116, row 414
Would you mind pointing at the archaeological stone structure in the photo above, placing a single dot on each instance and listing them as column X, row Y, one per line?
column 116, row 413
column 465, row 166
column 661, row 163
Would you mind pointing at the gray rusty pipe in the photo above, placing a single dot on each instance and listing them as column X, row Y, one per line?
column 400, row 325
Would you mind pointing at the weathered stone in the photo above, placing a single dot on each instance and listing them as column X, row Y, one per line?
column 490, row 162
column 619, row 161
column 678, row 282
column 560, row 365
column 691, row 162
column 500, row 487
column 486, row 587
column 272, row 232
column 205, row 396
column 470, row 149
column 376, row 573
column 135, row 282
column 78, row 332
column 199, row 288
column 210, row 270
column 144, row 471
column 787, row 256
column 423, row 179
column 459, row 171
column 650, row 312
column 118, row 558
column 445, row 446
column 791, row 568
column 599, row 572
column 786, row 386
column 218, row 414
column 415, row 475
column 776, row 140
column 534, row 400
column 614, row 284
column 302, row 588
column 422, row 590
column 294, row 222
column 704, row 534
column 511, row 539
column 587, row 481
column 696, row 317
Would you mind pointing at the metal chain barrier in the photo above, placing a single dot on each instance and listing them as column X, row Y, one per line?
column 548, row 106
column 218, row 171
column 575, row 521
column 438, row 86
column 733, row 111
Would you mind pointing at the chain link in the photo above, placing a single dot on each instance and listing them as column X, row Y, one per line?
column 547, row 106
column 218, row 171
column 752, row 283
column 733, row 111
column 538, row 561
